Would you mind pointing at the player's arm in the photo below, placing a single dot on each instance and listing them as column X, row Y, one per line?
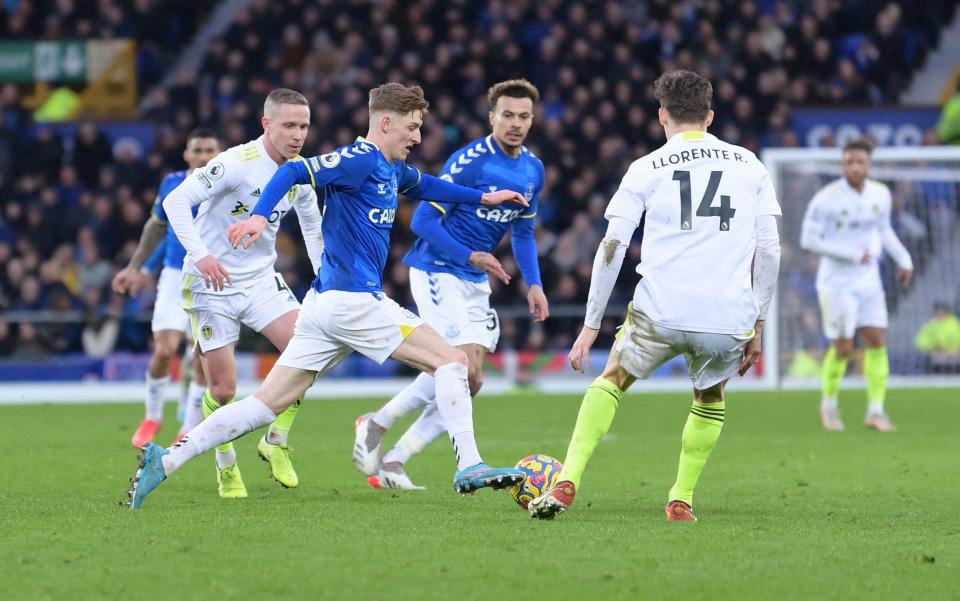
column 623, row 215
column 422, row 186
column 813, row 237
column 766, row 269
column 427, row 223
column 524, row 243
column 311, row 221
column 129, row 278
column 153, row 262
column 606, row 269
column 318, row 172
column 219, row 175
column 895, row 248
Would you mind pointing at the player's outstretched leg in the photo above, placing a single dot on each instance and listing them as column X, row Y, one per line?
column 390, row 473
column 456, row 409
column 273, row 448
column 424, row 349
column 368, row 438
column 232, row 421
column 876, row 369
column 700, row 435
column 148, row 476
column 370, row 427
column 229, row 482
column 834, row 366
column 593, row 421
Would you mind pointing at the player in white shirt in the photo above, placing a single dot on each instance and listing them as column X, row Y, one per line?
column 848, row 224
column 224, row 287
column 709, row 212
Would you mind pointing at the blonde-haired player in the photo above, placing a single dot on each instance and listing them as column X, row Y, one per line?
column 224, row 287
column 848, row 224
column 708, row 210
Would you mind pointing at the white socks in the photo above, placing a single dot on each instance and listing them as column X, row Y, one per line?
column 828, row 404
column 417, row 394
column 194, row 412
column 456, row 409
column 156, row 389
column 223, row 425
column 421, row 433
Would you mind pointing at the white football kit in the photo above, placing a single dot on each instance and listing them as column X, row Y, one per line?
column 168, row 312
column 458, row 309
column 843, row 226
column 226, row 190
column 704, row 204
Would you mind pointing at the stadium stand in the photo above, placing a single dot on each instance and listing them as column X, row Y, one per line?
column 73, row 203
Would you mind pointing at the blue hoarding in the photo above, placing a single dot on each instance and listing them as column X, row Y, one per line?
column 888, row 127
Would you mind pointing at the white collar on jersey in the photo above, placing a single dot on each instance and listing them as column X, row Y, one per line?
column 366, row 141
column 692, row 135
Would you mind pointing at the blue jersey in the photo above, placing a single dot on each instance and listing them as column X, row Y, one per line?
column 360, row 190
column 486, row 167
column 173, row 251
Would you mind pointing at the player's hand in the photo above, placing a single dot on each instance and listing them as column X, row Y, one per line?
column 751, row 352
column 537, row 301
column 128, row 280
column 246, row 231
column 904, row 275
column 502, row 196
column 489, row 264
column 580, row 352
column 213, row 273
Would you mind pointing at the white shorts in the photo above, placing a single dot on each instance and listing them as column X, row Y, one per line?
column 216, row 318
column 334, row 323
column 168, row 313
column 844, row 307
column 458, row 310
column 642, row 347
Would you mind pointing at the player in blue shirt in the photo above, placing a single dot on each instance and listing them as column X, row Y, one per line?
column 449, row 264
column 170, row 322
column 346, row 309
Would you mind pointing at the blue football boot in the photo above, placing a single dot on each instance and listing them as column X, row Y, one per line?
column 149, row 475
column 482, row 475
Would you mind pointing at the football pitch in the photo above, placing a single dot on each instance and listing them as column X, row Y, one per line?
column 787, row 511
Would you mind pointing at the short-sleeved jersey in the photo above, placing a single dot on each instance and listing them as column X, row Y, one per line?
column 360, row 203
column 484, row 166
column 230, row 185
column 173, row 251
column 852, row 222
column 701, row 197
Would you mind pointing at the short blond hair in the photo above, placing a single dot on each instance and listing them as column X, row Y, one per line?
column 283, row 96
column 398, row 98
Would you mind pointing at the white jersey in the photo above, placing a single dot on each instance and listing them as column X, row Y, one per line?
column 843, row 225
column 227, row 189
column 701, row 198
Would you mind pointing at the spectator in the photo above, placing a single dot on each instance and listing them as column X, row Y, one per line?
column 939, row 340
column 948, row 128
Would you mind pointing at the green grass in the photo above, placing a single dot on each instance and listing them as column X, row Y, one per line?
column 786, row 510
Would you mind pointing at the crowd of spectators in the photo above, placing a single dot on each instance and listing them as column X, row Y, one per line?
column 72, row 208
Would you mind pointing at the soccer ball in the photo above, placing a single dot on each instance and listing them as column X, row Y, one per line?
column 541, row 473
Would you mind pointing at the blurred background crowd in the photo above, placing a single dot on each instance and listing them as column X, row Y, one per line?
column 72, row 206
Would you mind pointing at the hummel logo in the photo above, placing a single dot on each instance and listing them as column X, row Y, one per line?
column 240, row 209
column 382, row 188
column 255, row 193
column 492, row 188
